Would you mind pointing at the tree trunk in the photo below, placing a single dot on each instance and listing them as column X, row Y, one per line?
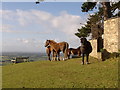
column 107, row 10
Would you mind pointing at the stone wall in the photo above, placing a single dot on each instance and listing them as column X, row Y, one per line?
column 119, row 34
column 94, row 47
column 111, row 38
column 112, row 34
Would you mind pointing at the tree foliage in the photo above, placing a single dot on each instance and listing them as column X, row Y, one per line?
column 88, row 6
column 38, row 1
column 96, row 21
column 84, row 31
column 114, row 7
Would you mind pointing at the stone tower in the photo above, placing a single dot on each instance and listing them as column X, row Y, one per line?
column 112, row 34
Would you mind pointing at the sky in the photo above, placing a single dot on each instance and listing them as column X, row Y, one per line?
column 26, row 26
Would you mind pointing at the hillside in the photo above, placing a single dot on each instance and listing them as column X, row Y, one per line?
column 62, row 74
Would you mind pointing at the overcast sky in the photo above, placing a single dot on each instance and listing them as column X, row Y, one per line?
column 26, row 26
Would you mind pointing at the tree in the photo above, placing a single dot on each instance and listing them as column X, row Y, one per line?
column 106, row 10
column 38, row 1
column 94, row 25
column 96, row 21
column 114, row 7
column 84, row 31
column 87, row 6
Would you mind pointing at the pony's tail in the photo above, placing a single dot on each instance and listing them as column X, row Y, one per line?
column 66, row 50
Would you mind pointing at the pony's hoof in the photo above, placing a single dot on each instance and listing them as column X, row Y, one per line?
column 87, row 63
column 82, row 63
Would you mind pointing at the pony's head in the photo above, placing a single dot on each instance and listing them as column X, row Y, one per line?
column 83, row 41
column 47, row 43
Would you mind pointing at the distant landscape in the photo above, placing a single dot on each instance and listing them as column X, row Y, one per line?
column 8, row 56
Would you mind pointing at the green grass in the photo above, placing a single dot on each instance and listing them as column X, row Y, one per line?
column 62, row 74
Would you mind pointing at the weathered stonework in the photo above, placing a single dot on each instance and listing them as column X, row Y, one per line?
column 112, row 35
column 119, row 34
column 94, row 47
column 111, row 38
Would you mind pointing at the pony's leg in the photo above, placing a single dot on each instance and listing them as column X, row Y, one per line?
column 53, row 58
column 79, row 54
column 64, row 55
column 58, row 56
column 68, row 56
column 82, row 59
column 64, row 58
column 87, row 57
column 49, row 57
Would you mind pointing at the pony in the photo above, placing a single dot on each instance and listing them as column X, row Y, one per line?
column 49, row 49
column 74, row 51
column 58, row 47
column 85, row 49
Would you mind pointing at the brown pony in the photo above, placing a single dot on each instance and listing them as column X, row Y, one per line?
column 58, row 47
column 49, row 49
column 74, row 51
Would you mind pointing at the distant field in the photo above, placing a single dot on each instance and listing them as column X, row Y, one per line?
column 62, row 74
column 6, row 58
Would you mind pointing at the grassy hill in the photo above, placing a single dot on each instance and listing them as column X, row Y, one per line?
column 62, row 74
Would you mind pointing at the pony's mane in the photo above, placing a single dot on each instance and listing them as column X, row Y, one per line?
column 52, row 41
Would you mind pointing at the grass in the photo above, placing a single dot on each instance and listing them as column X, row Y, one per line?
column 61, row 74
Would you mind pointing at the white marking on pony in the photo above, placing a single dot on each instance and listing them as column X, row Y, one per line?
column 57, row 58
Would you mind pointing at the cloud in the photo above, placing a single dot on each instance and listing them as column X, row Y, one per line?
column 23, row 40
column 5, row 28
column 64, row 22
column 47, row 25
column 8, row 30
column 28, row 41
column 8, row 14
column 31, row 42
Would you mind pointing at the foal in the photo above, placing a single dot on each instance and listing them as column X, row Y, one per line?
column 49, row 49
column 74, row 51
column 85, row 49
